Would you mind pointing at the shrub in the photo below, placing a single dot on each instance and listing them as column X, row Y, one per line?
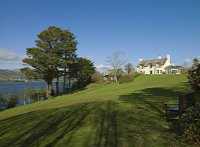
column 125, row 79
column 194, row 78
column 97, row 77
column 136, row 74
column 38, row 95
column 128, row 78
column 190, row 126
column 13, row 101
column 190, row 123
column 185, row 70
column 3, row 103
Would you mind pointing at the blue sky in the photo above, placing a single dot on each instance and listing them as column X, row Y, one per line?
column 138, row 28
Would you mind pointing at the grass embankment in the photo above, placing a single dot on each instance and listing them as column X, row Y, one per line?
column 129, row 114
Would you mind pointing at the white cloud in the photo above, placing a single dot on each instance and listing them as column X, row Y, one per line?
column 187, row 62
column 8, row 56
column 103, row 66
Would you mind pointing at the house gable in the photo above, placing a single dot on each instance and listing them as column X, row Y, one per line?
column 155, row 66
column 110, row 74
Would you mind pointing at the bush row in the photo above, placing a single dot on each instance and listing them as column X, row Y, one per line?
column 129, row 78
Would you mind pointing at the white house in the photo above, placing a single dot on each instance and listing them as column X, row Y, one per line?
column 158, row 66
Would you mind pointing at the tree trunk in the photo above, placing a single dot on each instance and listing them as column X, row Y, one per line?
column 65, row 73
column 69, row 83
column 81, row 82
column 57, row 86
column 64, row 78
column 24, row 98
column 49, row 90
column 115, row 78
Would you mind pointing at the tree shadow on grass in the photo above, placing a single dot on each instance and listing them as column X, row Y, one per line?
column 49, row 127
column 43, row 123
column 131, row 122
column 114, row 125
column 107, row 132
column 154, row 99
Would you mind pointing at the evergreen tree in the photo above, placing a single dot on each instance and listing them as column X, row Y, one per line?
column 82, row 71
column 53, row 51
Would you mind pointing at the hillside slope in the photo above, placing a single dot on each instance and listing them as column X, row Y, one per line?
column 6, row 75
column 101, row 115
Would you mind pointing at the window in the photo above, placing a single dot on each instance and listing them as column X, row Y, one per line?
column 174, row 71
column 157, row 65
column 160, row 71
column 157, row 71
column 151, row 66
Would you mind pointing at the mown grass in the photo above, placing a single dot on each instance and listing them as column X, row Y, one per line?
column 129, row 114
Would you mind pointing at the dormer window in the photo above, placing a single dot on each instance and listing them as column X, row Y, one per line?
column 150, row 65
column 157, row 65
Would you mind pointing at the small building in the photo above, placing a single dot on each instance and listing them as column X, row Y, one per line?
column 112, row 74
column 158, row 66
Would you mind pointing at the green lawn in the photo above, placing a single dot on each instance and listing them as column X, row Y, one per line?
column 115, row 114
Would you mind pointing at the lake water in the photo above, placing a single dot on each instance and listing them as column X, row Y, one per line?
column 18, row 87
column 8, row 88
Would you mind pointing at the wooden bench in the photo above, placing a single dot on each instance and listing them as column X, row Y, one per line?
column 175, row 111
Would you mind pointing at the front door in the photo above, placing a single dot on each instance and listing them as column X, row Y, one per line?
column 151, row 72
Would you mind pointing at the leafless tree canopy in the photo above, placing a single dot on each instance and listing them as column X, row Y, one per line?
column 116, row 60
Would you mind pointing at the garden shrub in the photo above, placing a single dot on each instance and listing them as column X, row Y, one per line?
column 97, row 77
column 190, row 122
column 136, row 74
column 185, row 70
column 128, row 78
column 3, row 102
column 190, row 126
column 13, row 100
column 38, row 94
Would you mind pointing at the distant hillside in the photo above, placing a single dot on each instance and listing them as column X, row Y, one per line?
column 11, row 75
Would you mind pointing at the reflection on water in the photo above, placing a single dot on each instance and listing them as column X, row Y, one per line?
column 8, row 88
column 18, row 87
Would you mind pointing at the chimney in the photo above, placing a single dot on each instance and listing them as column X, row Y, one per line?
column 159, row 57
column 140, row 59
column 168, row 56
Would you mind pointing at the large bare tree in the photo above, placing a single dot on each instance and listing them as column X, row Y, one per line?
column 116, row 61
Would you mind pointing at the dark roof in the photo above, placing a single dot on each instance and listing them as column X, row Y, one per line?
column 152, row 62
column 112, row 72
column 173, row 67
